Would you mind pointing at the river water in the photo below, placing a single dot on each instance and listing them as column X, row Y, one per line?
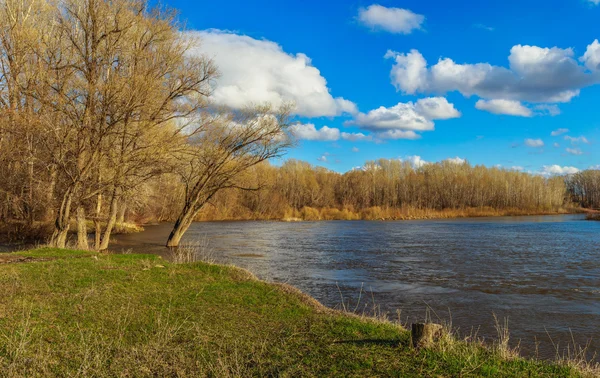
column 542, row 273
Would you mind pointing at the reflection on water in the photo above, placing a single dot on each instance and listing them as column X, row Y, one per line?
column 541, row 272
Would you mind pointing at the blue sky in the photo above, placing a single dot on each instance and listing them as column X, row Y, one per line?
column 329, row 57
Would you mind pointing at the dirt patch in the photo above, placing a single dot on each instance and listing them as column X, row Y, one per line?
column 12, row 259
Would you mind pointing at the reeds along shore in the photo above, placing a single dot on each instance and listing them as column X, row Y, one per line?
column 593, row 216
column 374, row 213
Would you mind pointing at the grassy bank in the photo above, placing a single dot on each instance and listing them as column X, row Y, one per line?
column 68, row 313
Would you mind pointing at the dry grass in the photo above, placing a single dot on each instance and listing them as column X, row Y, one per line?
column 189, row 252
column 593, row 216
column 380, row 213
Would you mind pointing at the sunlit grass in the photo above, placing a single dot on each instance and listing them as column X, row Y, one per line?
column 86, row 314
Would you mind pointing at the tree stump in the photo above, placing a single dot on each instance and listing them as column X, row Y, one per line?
column 425, row 334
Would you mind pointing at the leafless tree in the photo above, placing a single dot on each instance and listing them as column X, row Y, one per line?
column 227, row 146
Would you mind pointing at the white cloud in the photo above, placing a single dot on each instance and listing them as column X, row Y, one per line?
column 508, row 107
column 356, row 137
column 516, row 108
column 409, row 73
column 547, row 109
column 403, row 120
column 553, row 170
column 308, row 131
column 535, row 143
column 436, row 108
column 556, row 145
column 398, row 134
column 577, row 140
column 558, row 132
column 415, row 161
column 595, row 2
column 456, row 160
column 402, row 116
column 591, row 58
column 575, row 151
column 322, row 158
column 355, row 149
column 534, row 74
column 595, row 167
column 517, row 168
column 393, row 20
column 257, row 71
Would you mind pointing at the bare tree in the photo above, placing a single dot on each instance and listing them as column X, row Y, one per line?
column 227, row 146
column 117, row 78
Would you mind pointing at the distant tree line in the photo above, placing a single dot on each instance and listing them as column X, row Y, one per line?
column 387, row 189
column 584, row 188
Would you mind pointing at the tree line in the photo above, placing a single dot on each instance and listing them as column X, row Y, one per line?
column 584, row 188
column 386, row 189
column 97, row 99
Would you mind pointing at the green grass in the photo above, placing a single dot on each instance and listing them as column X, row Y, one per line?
column 83, row 314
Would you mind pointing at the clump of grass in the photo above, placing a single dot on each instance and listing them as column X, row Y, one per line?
column 501, row 345
column 367, row 308
column 577, row 357
column 189, row 252
column 127, row 228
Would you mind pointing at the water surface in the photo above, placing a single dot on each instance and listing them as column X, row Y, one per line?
column 542, row 273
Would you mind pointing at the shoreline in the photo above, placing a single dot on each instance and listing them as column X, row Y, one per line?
column 401, row 215
column 27, row 241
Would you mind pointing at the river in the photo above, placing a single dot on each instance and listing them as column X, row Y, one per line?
column 542, row 272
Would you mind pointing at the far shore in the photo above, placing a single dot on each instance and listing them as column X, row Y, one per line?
column 388, row 214
column 18, row 233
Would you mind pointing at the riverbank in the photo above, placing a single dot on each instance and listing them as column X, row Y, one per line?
column 25, row 234
column 79, row 313
column 378, row 213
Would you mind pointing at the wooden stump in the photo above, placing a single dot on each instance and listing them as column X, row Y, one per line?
column 425, row 334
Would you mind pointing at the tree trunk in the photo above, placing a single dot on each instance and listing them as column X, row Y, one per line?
column 114, row 202
column 50, row 195
column 97, row 224
column 121, row 216
column 182, row 224
column 424, row 335
column 61, row 225
column 30, row 199
column 82, row 235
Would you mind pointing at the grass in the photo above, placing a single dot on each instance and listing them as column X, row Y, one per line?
column 84, row 314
